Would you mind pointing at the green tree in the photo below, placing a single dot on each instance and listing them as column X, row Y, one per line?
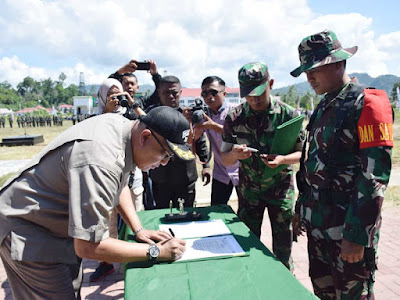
column 70, row 92
column 49, row 94
column 8, row 96
column 26, row 86
column 61, row 78
column 60, row 94
column 30, row 93
column 393, row 95
column 305, row 101
column 291, row 96
column 29, row 90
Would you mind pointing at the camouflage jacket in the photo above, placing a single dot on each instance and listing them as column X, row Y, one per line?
column 256, row 129
column 350, row 187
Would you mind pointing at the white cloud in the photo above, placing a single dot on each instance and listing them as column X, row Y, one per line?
column 13, row 70
column 389, row 44
column 190, row 39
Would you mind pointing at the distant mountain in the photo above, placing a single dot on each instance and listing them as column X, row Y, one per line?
column 383, row 82
column 147, row 87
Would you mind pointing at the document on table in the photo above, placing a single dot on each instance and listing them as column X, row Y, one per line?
column 196, row 229
column 205, row 239
column 213, row 246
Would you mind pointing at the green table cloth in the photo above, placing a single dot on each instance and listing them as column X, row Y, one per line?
column 256, row 276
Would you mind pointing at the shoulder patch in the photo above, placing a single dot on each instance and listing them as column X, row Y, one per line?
column 235, row 112
column 375, row 126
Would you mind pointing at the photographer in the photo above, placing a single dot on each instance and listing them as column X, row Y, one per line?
column 130, row 83
column 112, row 99
column 178, row 178
column 117, row 95
column 211, row 119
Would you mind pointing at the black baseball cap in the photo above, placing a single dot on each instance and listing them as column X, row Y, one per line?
column 173, row 127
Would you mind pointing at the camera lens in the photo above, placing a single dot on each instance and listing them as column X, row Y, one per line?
column 197, row 116
column 123, row 101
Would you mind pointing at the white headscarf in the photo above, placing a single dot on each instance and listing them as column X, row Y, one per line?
column 103, row 90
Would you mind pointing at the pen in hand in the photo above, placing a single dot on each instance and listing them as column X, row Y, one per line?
column 247, row 148
column 172, row 233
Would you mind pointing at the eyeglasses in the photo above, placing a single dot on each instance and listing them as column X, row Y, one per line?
column 167, row 154
column 213, row 93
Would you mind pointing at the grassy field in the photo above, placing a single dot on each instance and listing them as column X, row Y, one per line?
column 27, row 152
column 396, row 138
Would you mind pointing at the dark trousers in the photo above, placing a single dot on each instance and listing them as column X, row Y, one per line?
column 164, row 192
column 220, row 192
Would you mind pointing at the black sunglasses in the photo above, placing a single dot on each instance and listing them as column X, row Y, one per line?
column 167, row 155
column 210, row 91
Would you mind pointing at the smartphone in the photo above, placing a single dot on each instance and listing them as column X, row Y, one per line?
column 265, row 156
column 143, row 66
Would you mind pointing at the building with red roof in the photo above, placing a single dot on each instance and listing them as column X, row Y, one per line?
column 65, row 108
column 28, row 110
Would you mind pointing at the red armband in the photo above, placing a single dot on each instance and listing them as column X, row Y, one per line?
column 375, row 126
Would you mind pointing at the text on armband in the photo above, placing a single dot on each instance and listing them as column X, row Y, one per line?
column 367, row 133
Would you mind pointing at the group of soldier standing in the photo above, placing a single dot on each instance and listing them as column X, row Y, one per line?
column 33, row 121
column 343, row 172
column 39, row 121
column 344, row 155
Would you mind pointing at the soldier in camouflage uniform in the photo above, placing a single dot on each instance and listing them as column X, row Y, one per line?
column 344, row 175
column 253, row 124
column 10, row 120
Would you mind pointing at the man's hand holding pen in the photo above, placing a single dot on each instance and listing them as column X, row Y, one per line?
column 242, row 151
column 271, row 160
column 171, row 248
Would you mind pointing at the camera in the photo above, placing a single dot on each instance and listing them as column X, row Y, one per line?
column 122, row 100
column 197, row 111
column 143, row 66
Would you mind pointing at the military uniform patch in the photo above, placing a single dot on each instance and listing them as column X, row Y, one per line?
column 375, row 126
column 235, row 112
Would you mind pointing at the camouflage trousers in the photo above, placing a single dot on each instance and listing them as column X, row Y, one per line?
column 252, row 212
column 332, row 277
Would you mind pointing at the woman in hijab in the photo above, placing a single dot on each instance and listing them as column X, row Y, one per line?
column 108, row 93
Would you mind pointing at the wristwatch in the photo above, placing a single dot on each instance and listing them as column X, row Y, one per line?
column 153, row 252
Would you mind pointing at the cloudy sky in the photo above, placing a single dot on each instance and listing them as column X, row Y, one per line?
column 190, row 39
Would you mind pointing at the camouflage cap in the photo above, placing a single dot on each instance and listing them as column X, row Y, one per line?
column 320, row 49
column 253, row 78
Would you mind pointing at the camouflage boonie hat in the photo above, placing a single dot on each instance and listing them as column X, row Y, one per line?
column 320, row 49
column 253, row 78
